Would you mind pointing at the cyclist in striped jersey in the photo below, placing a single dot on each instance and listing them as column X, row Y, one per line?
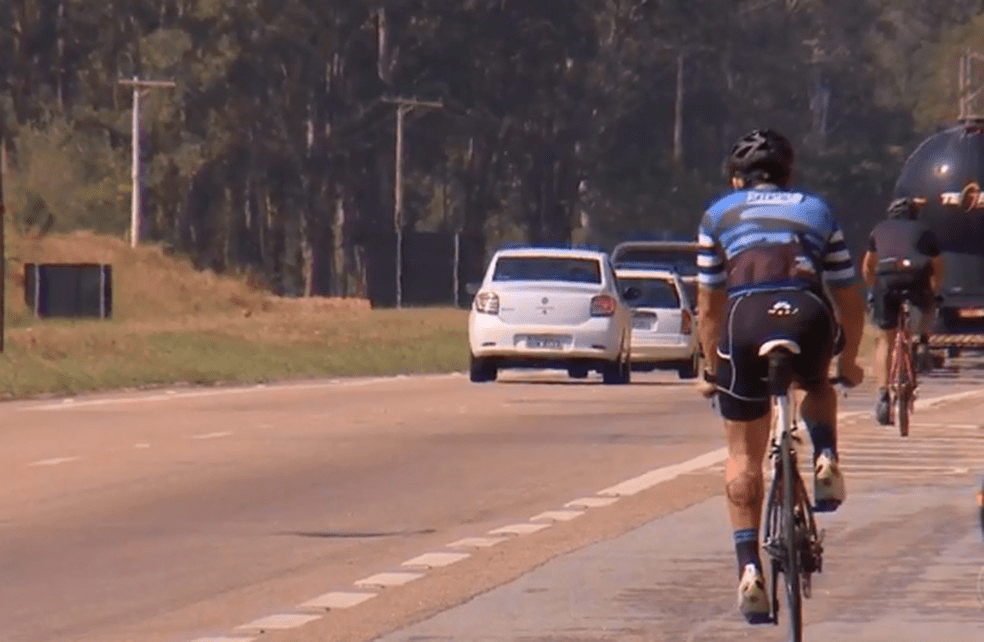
column 773, row 264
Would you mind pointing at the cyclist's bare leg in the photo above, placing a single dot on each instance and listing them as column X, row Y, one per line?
column 818, row 407
column 744, row 483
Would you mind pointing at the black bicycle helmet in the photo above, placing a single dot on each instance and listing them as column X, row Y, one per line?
column 762, row 155
column 902, row 208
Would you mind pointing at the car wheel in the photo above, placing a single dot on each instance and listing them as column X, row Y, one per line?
column 691, row 368
column 577, row 372
column 618, row 372
column 481, row 370
column 627, row 370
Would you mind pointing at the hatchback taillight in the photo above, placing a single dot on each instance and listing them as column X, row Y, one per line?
column 487, row 302
column 686, row 322
column 603, row 305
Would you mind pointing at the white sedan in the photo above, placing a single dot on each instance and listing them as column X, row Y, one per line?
column 550, row 308
column 663, row 330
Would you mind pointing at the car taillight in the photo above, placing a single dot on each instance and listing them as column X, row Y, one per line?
column 487, row 302
column 686, row 322
column 603, row 305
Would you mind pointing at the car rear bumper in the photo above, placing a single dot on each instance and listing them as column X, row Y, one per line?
column 662, row 348
column 598, row 338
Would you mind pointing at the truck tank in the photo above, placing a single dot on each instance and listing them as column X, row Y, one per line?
column 946, row 173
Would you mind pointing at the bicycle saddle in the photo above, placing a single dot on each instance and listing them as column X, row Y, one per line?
column 772, row 344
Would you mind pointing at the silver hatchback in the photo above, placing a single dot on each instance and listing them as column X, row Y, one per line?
column 663, row 330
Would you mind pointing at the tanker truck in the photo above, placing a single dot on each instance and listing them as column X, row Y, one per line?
column 945, row 174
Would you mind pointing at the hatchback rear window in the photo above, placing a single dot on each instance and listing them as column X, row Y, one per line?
column 546, row 268
column 656, row 293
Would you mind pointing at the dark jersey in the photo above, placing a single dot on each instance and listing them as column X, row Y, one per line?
column 903, row 239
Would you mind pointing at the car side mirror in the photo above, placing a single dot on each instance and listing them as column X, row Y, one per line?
column 472, row 288
column 631, row 293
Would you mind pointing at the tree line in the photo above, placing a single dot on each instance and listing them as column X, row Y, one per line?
column 559, row 121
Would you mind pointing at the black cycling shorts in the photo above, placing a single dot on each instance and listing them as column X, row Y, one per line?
column 887, row 301
column 751, row 319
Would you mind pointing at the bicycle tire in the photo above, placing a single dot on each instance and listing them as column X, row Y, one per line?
column 902, row 410
column 772, row 526
column 791, row 574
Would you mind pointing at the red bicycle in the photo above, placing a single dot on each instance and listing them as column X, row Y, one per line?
column 902, row 383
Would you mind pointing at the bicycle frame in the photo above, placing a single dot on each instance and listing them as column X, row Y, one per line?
column 790, row 534
column 902, row 381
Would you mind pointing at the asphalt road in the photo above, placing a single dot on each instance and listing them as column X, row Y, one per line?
column 434, row 509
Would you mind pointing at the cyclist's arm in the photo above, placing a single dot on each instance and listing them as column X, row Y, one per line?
column 841, row 281
column 868, row 266
column 711, row 294
column 936, row 278
column 710, row 310
column 931, row 245
column 850, row 312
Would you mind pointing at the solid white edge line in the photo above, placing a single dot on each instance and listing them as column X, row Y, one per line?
column 195, row 393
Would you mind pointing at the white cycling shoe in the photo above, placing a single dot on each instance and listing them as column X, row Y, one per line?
column 753, row 599
column 829, row 491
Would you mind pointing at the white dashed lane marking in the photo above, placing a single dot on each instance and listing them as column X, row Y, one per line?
column 591, row 502
column 212, row 435
column 280, row 622
column 477, row 542
column 54, row 461
column 519, row 529
column 558, row 515
column 435, row 560
column 337, row 600
column 383, row 580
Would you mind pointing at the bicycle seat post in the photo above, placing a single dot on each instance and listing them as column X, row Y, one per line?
column 780, row 372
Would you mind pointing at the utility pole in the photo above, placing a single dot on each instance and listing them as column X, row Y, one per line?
column 139, row 87
column 3, row 245
column 682, row 52
column 678, row 112
column 970, row 83
column 403, row 105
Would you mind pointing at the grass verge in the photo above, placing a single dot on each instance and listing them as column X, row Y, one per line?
column 63, row 358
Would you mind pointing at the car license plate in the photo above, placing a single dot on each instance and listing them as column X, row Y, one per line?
column 971, row 313
column 544, row 342
column 642, row 324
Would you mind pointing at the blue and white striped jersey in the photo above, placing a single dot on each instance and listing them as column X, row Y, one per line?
column 766, row 216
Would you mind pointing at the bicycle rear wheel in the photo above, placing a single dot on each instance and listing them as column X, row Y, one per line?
column 902, row 410
column 792, row 572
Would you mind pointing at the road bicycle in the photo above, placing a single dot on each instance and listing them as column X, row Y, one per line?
column 902, row 382
column 790, row 535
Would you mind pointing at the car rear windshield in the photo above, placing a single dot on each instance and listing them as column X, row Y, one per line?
column 547, row 268
column 656, row 293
